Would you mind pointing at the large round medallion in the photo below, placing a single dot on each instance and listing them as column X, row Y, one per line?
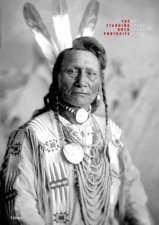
column 73, row 152
column 81, row 115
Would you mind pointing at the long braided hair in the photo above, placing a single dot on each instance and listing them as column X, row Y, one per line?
column 82, row 43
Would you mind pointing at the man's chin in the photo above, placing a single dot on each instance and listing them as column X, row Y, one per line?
column 78, row 104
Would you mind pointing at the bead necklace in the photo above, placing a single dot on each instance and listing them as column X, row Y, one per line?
column 74, row 148
column 93, row 179
column 81, row 115
column 94, row 190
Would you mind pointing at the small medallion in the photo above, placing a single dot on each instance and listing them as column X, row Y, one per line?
column 81, row 115
column 73, row 152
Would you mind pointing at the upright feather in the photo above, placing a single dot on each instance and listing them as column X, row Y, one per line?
column 89, row 19
column 61, row 24
column 42, row 36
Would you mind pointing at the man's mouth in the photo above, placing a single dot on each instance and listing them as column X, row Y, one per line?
column 81, row 93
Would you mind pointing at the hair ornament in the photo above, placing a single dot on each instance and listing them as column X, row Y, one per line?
column 51, row 46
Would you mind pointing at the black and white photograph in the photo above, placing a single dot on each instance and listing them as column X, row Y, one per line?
column 79, row 112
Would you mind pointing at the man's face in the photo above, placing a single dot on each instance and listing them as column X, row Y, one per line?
column 79, row 78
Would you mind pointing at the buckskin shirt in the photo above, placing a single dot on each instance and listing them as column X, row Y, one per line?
column 38, row 184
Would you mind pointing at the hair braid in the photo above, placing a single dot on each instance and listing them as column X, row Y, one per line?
column 56, row 111
column 106, row 114
column 104, row 97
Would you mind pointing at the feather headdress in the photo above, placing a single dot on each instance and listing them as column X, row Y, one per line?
column 51, row 46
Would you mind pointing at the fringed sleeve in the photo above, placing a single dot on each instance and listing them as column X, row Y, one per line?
column 18, row 182
column 132, row 197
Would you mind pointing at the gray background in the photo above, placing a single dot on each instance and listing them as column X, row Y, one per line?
column 132, row 76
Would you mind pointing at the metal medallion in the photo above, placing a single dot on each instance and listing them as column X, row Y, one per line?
column 81, row 115
column 73, row 152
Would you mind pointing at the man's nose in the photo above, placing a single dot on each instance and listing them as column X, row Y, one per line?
column 81, row 79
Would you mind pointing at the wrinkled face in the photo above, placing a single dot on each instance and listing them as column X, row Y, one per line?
column 79, row 78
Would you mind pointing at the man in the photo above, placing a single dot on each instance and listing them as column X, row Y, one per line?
column 66, row 165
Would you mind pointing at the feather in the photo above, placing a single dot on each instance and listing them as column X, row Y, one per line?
column 89, row 19
column 42, row 36
column 61, row 24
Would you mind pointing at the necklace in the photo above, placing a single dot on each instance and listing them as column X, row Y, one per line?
column 78, row 138
column 93, row 180
column 81, row 115
column 93, row 184
column 74, row 153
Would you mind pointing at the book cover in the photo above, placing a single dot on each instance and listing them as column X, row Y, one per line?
column 129, row 32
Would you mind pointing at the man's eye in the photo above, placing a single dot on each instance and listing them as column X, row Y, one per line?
column 92, row 74
column 73, row 71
